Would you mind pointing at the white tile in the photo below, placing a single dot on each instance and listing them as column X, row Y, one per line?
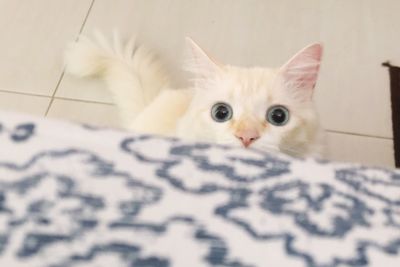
column 84, row 89
column 360, row 149
column 33, row 37
column 84, row 112
column 36, row 105
column 353, row 93
column 254, row 32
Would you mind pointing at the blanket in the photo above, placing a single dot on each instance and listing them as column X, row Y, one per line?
column 78, row 195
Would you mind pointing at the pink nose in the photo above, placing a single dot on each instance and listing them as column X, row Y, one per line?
column 247, row 136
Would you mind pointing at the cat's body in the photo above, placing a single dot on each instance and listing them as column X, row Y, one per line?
column 268, row 109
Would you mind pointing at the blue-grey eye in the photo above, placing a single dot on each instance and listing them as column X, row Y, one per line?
column 278, row 115
column 221, row 112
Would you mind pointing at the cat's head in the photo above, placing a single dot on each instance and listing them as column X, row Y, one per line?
column 265, row 108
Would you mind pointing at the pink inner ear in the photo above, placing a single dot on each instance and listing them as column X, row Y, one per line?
column 301, row 71
column 198, row 61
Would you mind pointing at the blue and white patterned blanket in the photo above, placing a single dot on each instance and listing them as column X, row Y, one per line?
column 73, row 195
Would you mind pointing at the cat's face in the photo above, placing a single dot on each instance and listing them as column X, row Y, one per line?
column 268, row 109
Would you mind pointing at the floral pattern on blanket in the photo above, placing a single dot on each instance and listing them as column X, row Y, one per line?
column 74, row 195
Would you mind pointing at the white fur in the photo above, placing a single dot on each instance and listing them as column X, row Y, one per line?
column 133, row 74
column 141, row 90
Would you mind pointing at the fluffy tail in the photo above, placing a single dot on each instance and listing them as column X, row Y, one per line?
column 133, row 74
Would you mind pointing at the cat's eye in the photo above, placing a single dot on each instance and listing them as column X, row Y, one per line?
column 221, row 112
column 278, row 115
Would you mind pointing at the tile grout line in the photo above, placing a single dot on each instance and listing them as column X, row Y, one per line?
column 83, row 101
column 358, row 134
column 63, row 71
column 57, row 97
column 55, row 91
column 23, row 93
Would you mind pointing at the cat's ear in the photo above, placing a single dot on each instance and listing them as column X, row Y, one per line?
column 300, row 73
column 199, row 63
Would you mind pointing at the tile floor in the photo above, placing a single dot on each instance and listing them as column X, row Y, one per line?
column 35, row 33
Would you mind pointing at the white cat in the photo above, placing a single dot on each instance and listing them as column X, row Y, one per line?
column 263, row 108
